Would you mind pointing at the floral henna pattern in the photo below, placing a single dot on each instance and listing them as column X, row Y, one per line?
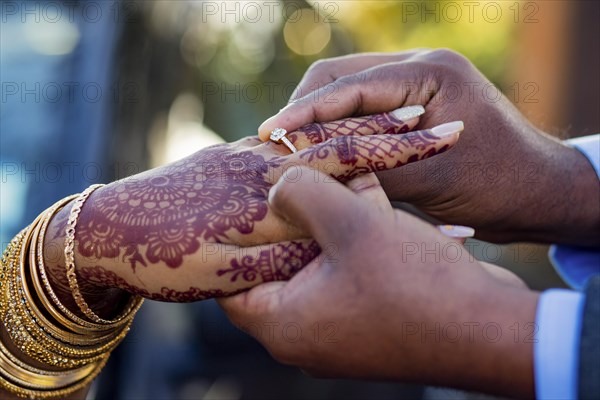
column 275, row 263
column 162, row 215
column 384, row 123
column 104, row 278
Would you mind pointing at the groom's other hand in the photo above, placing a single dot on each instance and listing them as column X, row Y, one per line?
column 506, row 178
column 389, row 298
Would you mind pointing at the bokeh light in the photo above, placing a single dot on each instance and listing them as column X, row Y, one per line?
column 52, row 38
column 306, row 32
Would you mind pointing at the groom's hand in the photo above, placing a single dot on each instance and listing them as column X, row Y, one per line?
column 506, row 178
column 389, row 298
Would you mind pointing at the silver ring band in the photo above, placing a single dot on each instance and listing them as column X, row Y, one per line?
column 289, row 145
column 278, row 135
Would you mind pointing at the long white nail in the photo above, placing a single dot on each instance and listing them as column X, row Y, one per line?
column 410, row 112
column 448, row 129
column 457, row 231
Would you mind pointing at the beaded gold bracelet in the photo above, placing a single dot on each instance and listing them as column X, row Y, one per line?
column 73, row 375
column 9, row 257
column 57, row 393
column 38, row 379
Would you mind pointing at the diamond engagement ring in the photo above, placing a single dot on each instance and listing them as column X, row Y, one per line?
column 278, row 135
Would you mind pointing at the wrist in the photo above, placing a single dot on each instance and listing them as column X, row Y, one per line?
column 504, row 363
column 105, row 301
column 497, row 355
column 564, row 209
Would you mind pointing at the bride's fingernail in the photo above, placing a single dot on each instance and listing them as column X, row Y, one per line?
column 457, row 231
column 448, row 129
column 410, row 112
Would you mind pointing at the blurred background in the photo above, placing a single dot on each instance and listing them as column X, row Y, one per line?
column 94, row 91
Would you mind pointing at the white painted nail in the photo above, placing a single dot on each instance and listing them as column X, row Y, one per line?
column 410, row 112
column 457, row 231
column 273, row 190
column 448, row 129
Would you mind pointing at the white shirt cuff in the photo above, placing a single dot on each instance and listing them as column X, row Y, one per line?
column 590, row 147
column 556, row 344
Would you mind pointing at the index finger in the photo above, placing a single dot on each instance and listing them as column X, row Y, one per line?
column 371, row 91
column 324, row 72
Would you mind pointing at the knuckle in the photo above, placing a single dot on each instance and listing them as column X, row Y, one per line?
column 320, row 66
column 320, row 72
column 345, row 149
column 353, row 80
column 449, row 57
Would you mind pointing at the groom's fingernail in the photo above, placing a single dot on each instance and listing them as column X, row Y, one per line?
column 272, row 193
column 457, row 231
column 448, row 129
column 276, row 186
column 407, row 113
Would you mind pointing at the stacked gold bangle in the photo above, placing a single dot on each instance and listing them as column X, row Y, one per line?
column 73, row 348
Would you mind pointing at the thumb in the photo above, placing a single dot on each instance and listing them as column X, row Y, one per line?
column 317, row 204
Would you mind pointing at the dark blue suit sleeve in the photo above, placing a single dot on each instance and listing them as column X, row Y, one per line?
column 589, row 360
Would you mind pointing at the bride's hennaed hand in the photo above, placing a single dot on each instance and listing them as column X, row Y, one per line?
column 201, row 227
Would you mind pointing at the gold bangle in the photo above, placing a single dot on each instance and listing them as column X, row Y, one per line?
column 70, row 355
column 12, row 321
column 26, row 308
column 34, row 340
column 60, row 334
column 95, row 335
column 41, row 336
column 65, row 316
column 29, row 341
column 16, row 373
column 134, row 303
column 59, row 393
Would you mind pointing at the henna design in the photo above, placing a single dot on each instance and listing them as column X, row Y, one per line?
column 105, row 278
column 364, row 156
column 278, row 262
column 161, row 215
column 384, row 123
